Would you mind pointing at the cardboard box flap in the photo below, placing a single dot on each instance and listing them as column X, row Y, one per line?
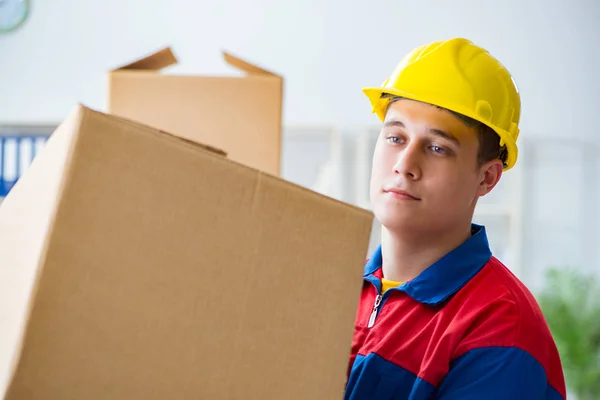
column 245, row 66
column 154, row 62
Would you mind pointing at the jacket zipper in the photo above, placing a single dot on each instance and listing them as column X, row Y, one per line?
column 374, row 312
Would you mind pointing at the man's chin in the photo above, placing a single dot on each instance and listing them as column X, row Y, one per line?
column 397, row 220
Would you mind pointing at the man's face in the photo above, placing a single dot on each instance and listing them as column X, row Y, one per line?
column 425, row 174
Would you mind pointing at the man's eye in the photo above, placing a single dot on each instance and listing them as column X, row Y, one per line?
column 394, row 139
column 438, row 149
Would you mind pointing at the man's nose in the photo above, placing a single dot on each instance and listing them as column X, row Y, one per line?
column 408, row 162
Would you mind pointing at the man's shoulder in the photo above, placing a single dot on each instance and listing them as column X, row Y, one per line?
column 504, row 314
column 496, row 287
column 502, row 300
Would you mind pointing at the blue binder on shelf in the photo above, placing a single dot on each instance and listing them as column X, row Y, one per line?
column 16, row 154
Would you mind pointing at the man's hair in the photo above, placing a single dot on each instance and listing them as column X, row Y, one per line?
column 489, row 140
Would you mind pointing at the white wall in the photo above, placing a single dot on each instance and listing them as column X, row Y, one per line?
column 327, row 52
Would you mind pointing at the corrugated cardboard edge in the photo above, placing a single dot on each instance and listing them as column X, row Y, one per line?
column 254, row 70
column 78, row 115
column 247, row 67
column 155, row 131
column 156, row 61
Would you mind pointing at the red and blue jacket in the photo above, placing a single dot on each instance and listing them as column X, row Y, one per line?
column 465, row 328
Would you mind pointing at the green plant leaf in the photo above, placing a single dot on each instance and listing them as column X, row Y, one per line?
column 570, row 302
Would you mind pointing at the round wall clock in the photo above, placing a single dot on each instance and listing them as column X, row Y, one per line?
column 13, row 14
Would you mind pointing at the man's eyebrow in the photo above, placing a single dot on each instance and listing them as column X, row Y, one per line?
column 394, row 122
column 445, row 135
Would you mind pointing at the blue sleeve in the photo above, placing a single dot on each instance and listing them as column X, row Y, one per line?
column 496, row 373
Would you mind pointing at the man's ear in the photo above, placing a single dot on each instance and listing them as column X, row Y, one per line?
column 490, row 174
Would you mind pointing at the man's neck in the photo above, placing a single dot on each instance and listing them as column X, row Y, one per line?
column 406, row 255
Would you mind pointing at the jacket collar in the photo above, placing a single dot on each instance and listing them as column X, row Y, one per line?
column 446, row 276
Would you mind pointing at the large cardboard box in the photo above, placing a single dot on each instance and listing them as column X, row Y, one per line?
column 241, row 115
column 138, row 265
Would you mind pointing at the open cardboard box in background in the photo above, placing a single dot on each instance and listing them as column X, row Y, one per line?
column 138, row 265
column 241, row 115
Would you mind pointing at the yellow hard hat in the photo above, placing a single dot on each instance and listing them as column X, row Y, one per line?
column 457, row 75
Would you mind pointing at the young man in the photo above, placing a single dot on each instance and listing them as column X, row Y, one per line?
column 439, row 316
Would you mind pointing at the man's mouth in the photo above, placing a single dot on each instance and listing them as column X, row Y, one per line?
column 400, row 194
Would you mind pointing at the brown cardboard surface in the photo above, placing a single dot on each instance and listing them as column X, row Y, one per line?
column 25, row 220
column 241, row 115
column 136, row 265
